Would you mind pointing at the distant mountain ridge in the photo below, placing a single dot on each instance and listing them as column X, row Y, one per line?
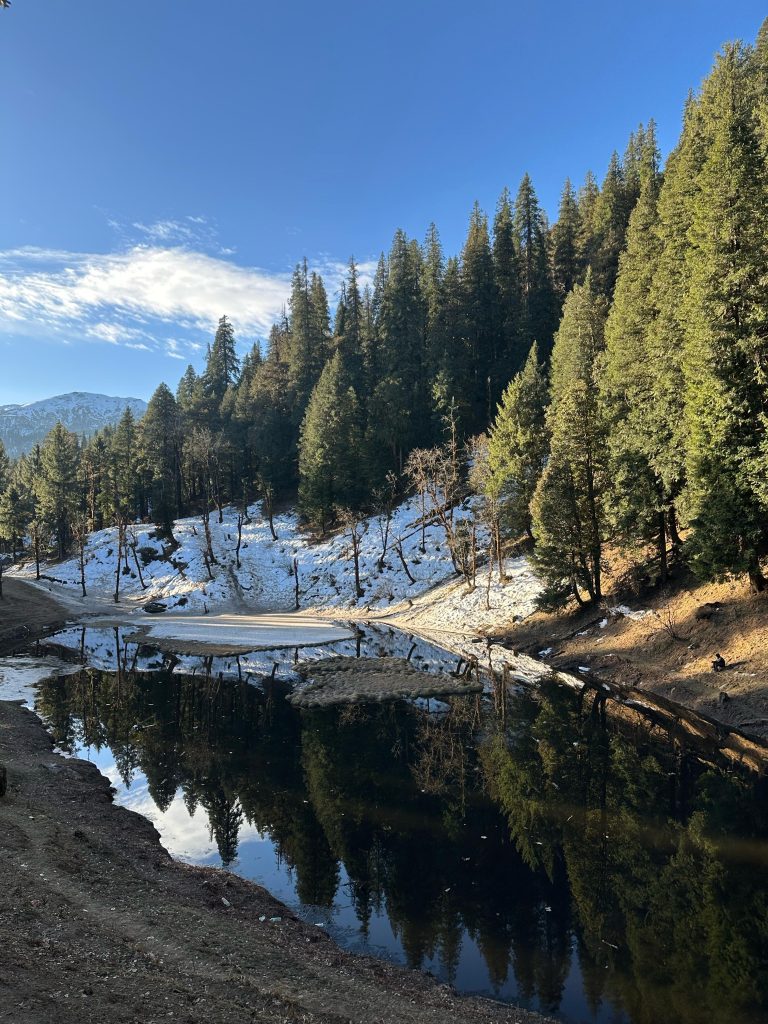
column 24, row 426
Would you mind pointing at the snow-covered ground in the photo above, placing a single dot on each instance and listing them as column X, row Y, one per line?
column 266, row 580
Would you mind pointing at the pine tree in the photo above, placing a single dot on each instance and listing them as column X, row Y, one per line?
column 538, row 317
column 223, row 366
column 398, row 408
column 57, row 484
column 507, row 277
column 611, row 215
column 161, row 449
column 566, row 264
column 350, row 331
column 567, row 507
column 518, row 445
column 330, row 448
column 308, row 337
column 640, row 504
column 587, row 198
column 726, row 352
column 434, row 302
column 481, row 330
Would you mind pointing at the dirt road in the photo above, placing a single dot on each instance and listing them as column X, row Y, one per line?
column 99, row 924
column 27, row 612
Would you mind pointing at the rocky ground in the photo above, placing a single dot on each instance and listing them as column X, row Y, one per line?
column 98, row 923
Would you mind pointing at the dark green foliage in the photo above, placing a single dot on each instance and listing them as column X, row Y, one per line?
column 517, row 447
column 538, row 307
column 568, row 505
column 726, row 340
column 330, row 448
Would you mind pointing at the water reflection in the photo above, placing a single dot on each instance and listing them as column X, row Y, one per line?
column 558, row 862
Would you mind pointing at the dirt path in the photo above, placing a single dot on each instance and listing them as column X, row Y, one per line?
column 27, row 612
column 98, row 924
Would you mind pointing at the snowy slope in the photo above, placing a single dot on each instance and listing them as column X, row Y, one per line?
column 23, row 426
column 265, row 580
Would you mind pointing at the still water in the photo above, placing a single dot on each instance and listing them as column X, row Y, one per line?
column 554, row 859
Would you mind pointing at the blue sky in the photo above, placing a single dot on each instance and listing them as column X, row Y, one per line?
column 165, row 163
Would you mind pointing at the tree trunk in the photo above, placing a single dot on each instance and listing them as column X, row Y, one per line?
column 663, row 570
column 82, row 566
column 756, row 578
column 399, row 549
column 674, row 535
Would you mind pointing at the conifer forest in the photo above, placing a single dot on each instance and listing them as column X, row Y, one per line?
column 608, row 372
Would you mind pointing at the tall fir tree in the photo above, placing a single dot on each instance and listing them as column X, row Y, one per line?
column 569, row 522
column 330, row 449
column 538, row 313
column 640, row 503
column 726, row 351
column 566, row 262
column 518, row 446
column 506, row 273
column 481, row 329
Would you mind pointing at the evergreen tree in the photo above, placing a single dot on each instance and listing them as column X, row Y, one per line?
column 398, row 408
column 434, row 303
column 309, row 331
column 350, row 331
column 567, row 507
column 538, row 316
column 482, row 334
column 56, row 484
column 517, row 446
column 271, row 423
column 161, row 449
column 507, row 278
column 640, row 502
column 726, row 353
column 330, row 448
column 222, row 369
column 566, row 264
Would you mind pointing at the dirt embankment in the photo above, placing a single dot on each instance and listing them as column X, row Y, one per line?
column 667, row 646
column 98, row 923
column 26, row 613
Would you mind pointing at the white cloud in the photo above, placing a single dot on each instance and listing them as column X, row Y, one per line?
column 135, row 297
column 121, row 297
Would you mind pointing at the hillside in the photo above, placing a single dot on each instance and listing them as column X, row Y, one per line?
column 24, row 426
column 266, row 579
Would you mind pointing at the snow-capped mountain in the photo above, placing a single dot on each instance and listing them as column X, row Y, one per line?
column 23, row 426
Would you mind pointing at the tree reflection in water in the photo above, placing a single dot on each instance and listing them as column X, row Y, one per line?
column 555, row 846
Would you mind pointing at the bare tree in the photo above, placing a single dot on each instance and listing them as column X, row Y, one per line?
column 354, row 527
column 80, row 533
column 120, row 544
column 240, row 521
column 133, row 543
column 267, row 492
column 384, row 500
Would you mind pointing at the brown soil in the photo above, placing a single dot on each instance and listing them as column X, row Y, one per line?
column 670, row 650
column 373, row 680
column 26, row 613
column 98, row 924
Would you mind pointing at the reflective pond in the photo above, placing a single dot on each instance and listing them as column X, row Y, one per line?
column 556, row 859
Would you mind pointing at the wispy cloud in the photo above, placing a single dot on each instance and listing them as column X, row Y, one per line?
column 156, row 297
column 132, row 297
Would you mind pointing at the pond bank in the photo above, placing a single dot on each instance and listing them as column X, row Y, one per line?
column 26, row 613
column 97, row 922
